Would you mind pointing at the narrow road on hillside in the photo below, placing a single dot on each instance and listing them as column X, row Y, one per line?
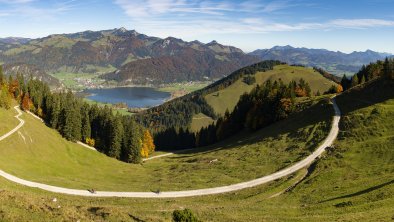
column 21, row 122
column 189, row 193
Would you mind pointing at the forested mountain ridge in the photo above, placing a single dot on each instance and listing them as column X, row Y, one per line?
column 334, row 62
column 31, row 71
column 129, row 51
column 265, row 104
column 178, row 113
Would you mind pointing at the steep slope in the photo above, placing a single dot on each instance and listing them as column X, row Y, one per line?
column 334, row 62
column 227, row 98
column 189, row 65
column 213, row 100
column 29, row 71
column 352, row 182
column 98, row 51
column 40, row 154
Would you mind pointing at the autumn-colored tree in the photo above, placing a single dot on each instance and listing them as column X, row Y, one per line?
column 300, row 92
column 339, row 88
column 13, row 87
column 148, row 146
column 26, row 102
column 91, row 142
column 285, row 107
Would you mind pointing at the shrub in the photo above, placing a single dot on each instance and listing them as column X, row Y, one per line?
column 91, row 142
column 185, row 215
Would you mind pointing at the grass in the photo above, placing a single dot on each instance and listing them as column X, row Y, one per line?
column 8, row 122
column 188, row 86
column 199, row 121
column 69, row 79
column 47, row 158
column 352, row 182
column 227, row 98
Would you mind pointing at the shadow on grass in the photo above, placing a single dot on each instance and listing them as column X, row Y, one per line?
column 361, row 191
column 370, row 93
column 319, row 112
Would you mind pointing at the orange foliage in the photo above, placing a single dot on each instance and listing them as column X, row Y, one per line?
column 300, row 92
column 286, row 104
column 13, row 87
column 26, row 102
column 339, row 88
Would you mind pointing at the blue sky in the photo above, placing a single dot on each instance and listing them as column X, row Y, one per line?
column 344, row 25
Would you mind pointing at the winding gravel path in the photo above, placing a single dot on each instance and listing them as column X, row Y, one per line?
column 21, row 122
column 187, row 193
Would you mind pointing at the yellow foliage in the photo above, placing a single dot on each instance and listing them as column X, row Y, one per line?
column 90, row 141
column 39, row 112
column 148, row 147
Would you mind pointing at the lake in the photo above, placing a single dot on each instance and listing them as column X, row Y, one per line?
column 134, row 97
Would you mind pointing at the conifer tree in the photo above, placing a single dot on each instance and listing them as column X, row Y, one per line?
column 362, row 81
column 354, row 80
column 115, row 137
column 345, row 82
column 85, row 127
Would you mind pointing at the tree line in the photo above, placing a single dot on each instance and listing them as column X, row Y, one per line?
column 117, row 136
column 179, row 112
column 373, row 70
column 9, row 89
column 264, row 105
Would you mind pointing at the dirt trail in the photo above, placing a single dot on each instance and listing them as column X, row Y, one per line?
column 187, row 193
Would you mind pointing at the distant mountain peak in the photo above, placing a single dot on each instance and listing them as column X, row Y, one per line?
column 286, row 47
column 334, row 62
column 197, row 42
column 213, row 42
column 124, row 32
column 122, row 29
column 14, row 40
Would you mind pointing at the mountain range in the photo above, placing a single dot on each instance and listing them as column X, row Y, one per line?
column 127, row 57
column 334, row 62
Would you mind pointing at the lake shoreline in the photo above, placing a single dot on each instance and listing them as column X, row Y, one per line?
column 133, row 97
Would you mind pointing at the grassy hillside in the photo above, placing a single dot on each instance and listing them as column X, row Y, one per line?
column 8, row 122
column 39, row 154
column 351, row 182
column 199, row 121
column 228, row 97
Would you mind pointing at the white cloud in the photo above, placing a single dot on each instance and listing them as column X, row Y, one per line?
column 28, row 9
column 15, row 1
column 360, row 23
column 207, row 26
column 147, row 8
